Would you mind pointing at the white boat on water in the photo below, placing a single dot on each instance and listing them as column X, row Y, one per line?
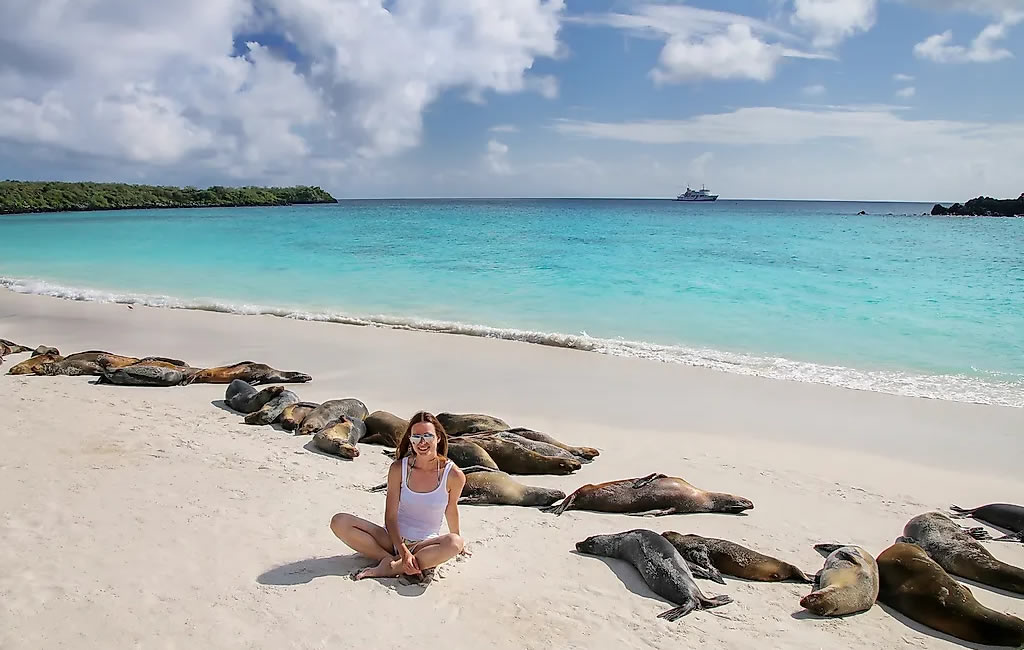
column 696, row 195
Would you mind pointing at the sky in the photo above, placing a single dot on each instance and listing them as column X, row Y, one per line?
column 916, row 100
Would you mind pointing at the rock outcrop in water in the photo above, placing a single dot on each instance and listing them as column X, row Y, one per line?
column 984, row 206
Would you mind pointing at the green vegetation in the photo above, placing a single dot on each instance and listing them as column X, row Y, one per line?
column 984, row 206
column 44, row 196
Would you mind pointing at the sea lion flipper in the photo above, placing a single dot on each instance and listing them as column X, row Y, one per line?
column 903, row 539
column 960, row 513
column 678, row 612
column 979, row 533
column 828, row 549
column 705, row 572
column 1013, row 537
column 558, row 509
column 653, row 513
column 378, row 488
column 645, row 480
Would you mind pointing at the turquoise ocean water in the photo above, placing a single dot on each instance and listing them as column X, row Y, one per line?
column 892, row 301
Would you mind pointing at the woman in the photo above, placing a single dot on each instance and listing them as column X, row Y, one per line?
column 423, row 486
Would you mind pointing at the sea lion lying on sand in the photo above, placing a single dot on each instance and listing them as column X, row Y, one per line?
column 916, row 586
column 340, row 436
column 329, row 411
column 660, row 565
column 654, row 494
column 542, row 448
column 1007, row 516
column 846, row 585
column 586, row 453
column 383, row 428
column 242, row 397
column 515, row 458
column 485, row 486
column 456, row 424
column 10, row 347
column 31, row 365
column 146, row 375
column 293, row 414
column 270, row 412
column 959, row 553
column 717, row 556
column 466, row 454
column 248, row 371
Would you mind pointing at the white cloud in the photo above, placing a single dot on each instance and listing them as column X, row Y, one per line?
column 832, row 21
column 163, row 84
column 497, row 157
column 983, row 48
column 816, row 90
column 906, row 93
column 984, row 7
column 504, row 128
column 902, row 78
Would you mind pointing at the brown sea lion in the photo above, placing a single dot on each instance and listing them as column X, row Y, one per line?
column 587, row 453
column 271, row 412
column 516, row 459
column 33, row 365
column 466, row 454
column 719, row 556
column 498, row 488
column 329, row 411
column 654, row 494
column 248, row 371
column 846, row 585
column 959, row 553
column 542, row 448
column 143, row 375
column 242, row 397
column 294, row 414
column 915, row 585
column 659, row 564
column 383, row 428
column 340, row 436
column 1008, row 516
column 456, row 424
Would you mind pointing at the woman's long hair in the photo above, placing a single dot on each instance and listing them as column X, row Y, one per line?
column 405, row 445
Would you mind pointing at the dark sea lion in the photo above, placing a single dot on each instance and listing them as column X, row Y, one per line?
column 514, row 458
column 242, row 397
column 587, row 453
column 331, row 410
column 959, row 553
column 33, row 365
column 654, row 494
column 542, row 448
column 660, row 565
column 272, row 410
column 848, row 583
column 142, row 375
column 1001, row 515
column 248, row 371
column 466, row 454
column 45, row 349
column 340, row 436
column 294, row 414
column 383, row 428
column 456, row 424
column 498, row 488
column 718, row 556
column 915, row 585
column 10, row 347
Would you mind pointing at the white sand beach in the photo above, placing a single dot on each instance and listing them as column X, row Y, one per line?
column 151, row 517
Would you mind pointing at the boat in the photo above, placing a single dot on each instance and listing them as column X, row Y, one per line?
column 696, row 195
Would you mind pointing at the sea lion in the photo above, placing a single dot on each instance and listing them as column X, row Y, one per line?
column 10, row 347
column 514, row 458
column 45, row 349
column 242, row 397
column 654, row 494
column 330, row 410
column 383, row 428
column 249, row 371
column 294, row 414
column 846, row 585
column 587, row 453
column 915, row 585
column 542, row 448
column 272, row 410
column 32, row 365
column 340, row 436
column 660, row 565
column 719, row 556
column 96, row 362
column 466, row 454
column 1001, row 515
column 959, row 553
column 456, row 424
column 143, row 375
column 498, row 488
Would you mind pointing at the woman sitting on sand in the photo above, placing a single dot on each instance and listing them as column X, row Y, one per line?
column 423, row 485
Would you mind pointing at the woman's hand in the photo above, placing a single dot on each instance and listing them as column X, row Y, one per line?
column 409, row 564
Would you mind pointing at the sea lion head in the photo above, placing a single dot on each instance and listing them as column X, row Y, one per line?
column 566, row 466
column 543, row 497
column 297, row 377
column 598, row 544
column 731, row 504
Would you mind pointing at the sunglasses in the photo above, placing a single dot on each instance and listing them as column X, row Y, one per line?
column 421, row 436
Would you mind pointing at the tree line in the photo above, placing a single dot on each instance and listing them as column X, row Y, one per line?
column 45, row 196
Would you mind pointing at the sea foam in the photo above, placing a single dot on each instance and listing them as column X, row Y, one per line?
column 958, row 388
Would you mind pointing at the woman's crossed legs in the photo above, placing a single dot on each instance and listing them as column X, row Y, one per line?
column 371, row 540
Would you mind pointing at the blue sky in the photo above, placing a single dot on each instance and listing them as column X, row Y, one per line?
column 840, row 99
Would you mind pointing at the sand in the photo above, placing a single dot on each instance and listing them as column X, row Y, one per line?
column 137, row 517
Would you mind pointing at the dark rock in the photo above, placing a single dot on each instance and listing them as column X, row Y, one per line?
column 984, row 206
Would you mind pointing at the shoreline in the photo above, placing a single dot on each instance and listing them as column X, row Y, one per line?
column 946, row 387
column 145, row 515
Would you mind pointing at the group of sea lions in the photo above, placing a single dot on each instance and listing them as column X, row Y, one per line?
column 145, row 371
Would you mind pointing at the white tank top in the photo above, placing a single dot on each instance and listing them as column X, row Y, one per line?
column 420, row 513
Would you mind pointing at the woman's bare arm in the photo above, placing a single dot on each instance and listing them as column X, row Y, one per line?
column 391, row 506
column 456, row 481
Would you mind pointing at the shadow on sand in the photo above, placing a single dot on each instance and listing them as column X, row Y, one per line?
column 342, row 566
